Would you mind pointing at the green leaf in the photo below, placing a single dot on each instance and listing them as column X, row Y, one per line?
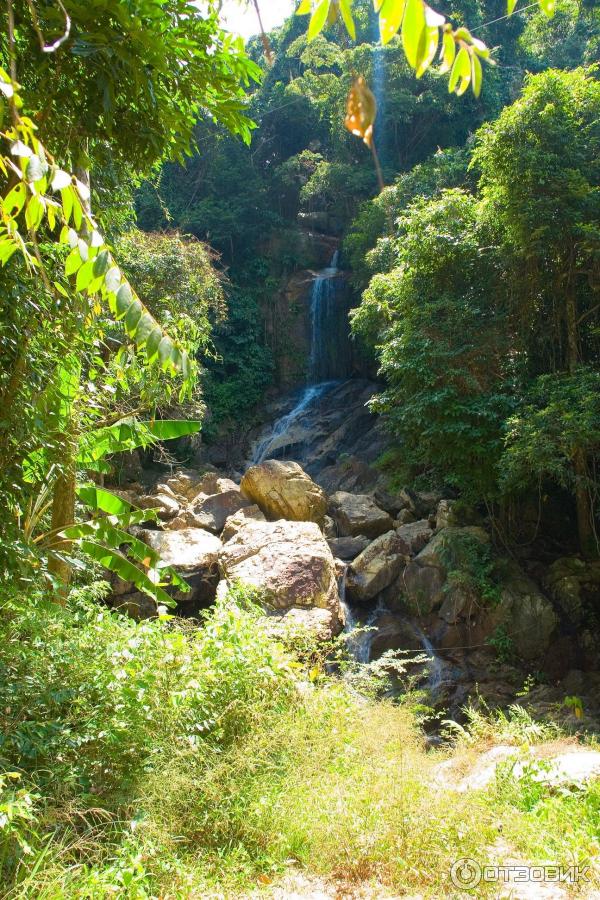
column 113, row 279
column 101, row 263
column 460, row 69
column 14, row 200
column 115, row 562
column 548, row 7
column 413, row 26
column 133, row 316
column 510, row 6
column 305, row 8
column 102, row 501
column 476, row 74
column 448, row 52
column 73, row 262
column 170, row 429
column 124, row 300
column 67, row 202
column 144, row 329
column 153, row 342
column 318, row 19
column 84, row 275
column 34, row 212
column 390, row 19
column 432, row 37
column 165, row 350
column 346, row 12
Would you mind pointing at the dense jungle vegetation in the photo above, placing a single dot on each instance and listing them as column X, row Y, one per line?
column 159, row 179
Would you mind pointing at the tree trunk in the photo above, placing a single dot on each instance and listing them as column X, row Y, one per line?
column 585, row 512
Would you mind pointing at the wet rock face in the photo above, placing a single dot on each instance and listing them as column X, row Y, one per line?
column 291, row 566
column 356, row 514
column 283, row 490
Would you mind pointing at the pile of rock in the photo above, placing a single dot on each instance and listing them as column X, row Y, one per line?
column 215, row 534
column 279, row 533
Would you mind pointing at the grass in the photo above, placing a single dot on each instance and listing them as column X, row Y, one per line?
column 215, row 766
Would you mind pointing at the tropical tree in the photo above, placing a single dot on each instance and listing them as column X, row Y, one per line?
column 540, row 165
column 93, row 82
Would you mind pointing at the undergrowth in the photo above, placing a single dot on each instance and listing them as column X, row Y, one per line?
column 162, row 760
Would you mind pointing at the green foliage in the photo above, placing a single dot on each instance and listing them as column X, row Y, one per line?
column 128, row 80
column 557, row 415
column 487, row 302
column 471, row 567
column 421, row 29
column 98, row 698
column 503, row 644
column 442, row 347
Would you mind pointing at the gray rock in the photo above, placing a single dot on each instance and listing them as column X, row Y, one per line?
column 393, row 633
column 405, row 516
column 423, row 587
column 348, row 547
column 289, row 563
column 212, row 512
column 238, row 519
column 283, row 490
column 444, row 515
column 329, row 528
column 376, row 567
column 415, row 535
column 166, row 505
column 436, row 551
column 357, row 514
column 529, row 617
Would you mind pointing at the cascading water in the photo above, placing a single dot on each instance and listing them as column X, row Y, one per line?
column 326, row 363
column 324, row 319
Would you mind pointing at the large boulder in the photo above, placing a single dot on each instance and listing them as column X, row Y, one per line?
column 415, row 535
column 283, row 490
column 238, row 519
column 194, row 553
column 291, row 566
column 357, row 514
column 213, row 511
column 527, row 615
column 376, row 567
column 423, row 584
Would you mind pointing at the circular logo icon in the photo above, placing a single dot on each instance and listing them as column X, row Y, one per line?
column 465, row 873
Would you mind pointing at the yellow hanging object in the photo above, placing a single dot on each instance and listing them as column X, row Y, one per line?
column 361, row 110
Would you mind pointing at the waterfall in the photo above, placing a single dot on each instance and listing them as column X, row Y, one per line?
column 435, row 665
column 326, row 363
column 287, row 431
column 324, row 322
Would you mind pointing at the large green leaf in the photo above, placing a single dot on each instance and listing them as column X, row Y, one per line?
column 390, row 19
column 129, row 435
column 413, row 31
column 169, row 429
column 115, row 562
column 318, row 19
